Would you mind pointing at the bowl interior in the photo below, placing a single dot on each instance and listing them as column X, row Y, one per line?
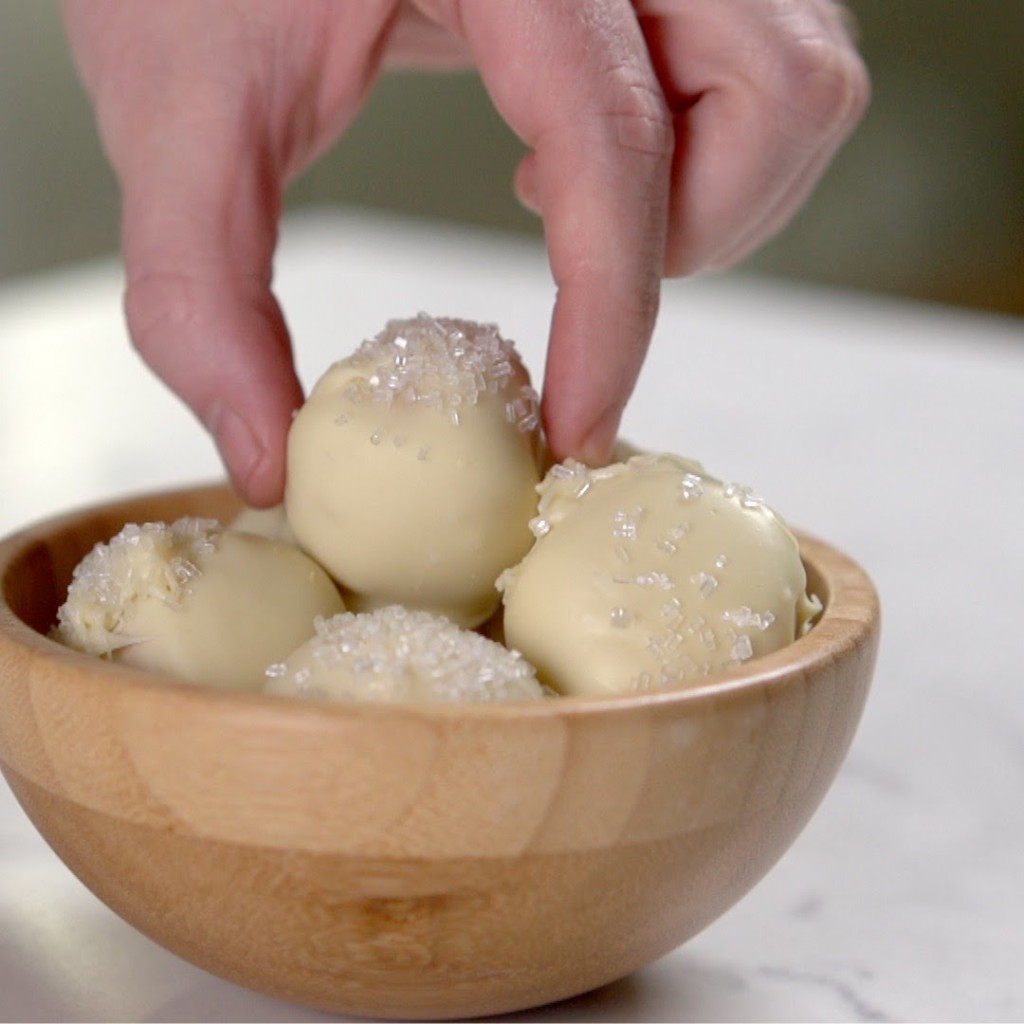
column 38, row 562
column 421, row 861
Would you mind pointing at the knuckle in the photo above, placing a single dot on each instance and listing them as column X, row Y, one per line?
column 642, row 120
column 827, row 83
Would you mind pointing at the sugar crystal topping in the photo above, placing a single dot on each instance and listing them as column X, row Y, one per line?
column 746, row 618
column 395, row 653
column 151, row 561
column 742, row 648
column 691, row 486
column 667, row 571
column 746, row 496
column 626, row 524
column 445, row 364
column 705, row 582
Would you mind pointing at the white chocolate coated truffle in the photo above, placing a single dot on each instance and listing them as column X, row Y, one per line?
column 393, row 654
column 412, row 468
column 198, row 602
column 651, row 573
column 271, row 523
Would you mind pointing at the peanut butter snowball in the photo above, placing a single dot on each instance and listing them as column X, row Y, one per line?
column 393, row 654
column 412, row 468
column 651, row 573
column 193, row 600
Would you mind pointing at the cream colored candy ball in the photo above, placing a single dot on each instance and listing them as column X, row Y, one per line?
column 271, row 523
column 412, row 468
column 193, row 600
column 393, row 654
column 651, row 573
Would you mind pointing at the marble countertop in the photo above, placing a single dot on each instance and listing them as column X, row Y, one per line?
column 894, row 430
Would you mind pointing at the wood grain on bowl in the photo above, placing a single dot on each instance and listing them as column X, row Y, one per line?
column 414, row 861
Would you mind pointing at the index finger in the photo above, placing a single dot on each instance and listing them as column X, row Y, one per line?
column 574, row 81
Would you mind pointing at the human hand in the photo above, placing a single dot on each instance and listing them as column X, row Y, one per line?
column 665, row 137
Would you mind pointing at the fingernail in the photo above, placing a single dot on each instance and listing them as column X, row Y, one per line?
column 239, row 448
column 596, row 449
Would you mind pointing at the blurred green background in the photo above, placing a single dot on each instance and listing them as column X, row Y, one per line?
column 927, row 200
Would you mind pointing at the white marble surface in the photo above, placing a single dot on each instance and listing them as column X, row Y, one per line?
column 894, row 430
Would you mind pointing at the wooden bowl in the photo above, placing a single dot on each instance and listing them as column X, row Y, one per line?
column 415, row 861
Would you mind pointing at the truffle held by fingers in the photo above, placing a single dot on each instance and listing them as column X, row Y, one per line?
column 412, row 468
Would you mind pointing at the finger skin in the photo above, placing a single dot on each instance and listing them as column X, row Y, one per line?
column 205, row 110
column 747, row 101
column 664, row 138
column 763, row 95
column 574, row 81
